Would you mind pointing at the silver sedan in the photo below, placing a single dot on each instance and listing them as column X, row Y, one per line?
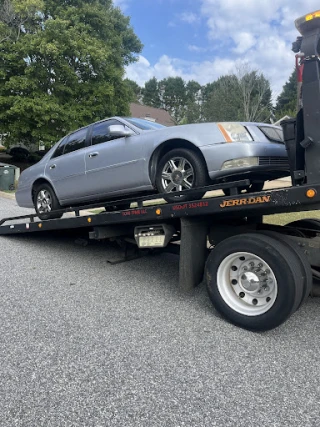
column 117, row 157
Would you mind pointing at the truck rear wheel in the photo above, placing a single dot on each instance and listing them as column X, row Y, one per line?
column 254, row 281
column 306, row 272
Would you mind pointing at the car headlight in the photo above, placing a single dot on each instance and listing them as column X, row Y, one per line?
column 241, row 163
column 234, row 132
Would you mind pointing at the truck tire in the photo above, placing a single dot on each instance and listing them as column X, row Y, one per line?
column 309, row 223
column 254, row 281
column 305, row 266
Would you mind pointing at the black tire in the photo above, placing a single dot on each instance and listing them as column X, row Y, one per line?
column 255, row 187
column 284, row 265
column 308, row 223
column 306, row 272
column 115, row 208
column 55, row 205
column 199, row 174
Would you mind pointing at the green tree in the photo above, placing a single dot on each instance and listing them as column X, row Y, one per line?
column 62, row 66
column 255, row 95
column 206, row 91
column 287, row 100
column 173, row 97
column 150, row 93
column 192, row 110
column 135, row 90
column 242, row 97
column 224, row 101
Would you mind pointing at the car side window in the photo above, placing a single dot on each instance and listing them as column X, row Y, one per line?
column 59, row 150
column 76, row 141
column 101, row 132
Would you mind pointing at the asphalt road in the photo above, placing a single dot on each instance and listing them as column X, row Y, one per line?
column 86, row 343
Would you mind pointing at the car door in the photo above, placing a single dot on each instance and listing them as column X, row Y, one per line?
column 66, row 168
column 113, row 164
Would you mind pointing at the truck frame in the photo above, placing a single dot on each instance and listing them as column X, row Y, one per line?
column 257, row 274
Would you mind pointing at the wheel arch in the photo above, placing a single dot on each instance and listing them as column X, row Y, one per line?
column 165, row 147
column 35, row 185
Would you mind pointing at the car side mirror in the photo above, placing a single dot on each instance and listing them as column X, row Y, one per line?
column 119, row 130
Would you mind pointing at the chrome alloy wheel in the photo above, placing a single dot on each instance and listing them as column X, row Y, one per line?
column 177, row 175
column 247, row 284
column 44, row 202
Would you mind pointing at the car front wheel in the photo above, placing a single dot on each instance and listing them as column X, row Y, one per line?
column 179, row 170
column 46, row 202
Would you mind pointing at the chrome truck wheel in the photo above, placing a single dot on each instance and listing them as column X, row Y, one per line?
column 247, row 283
column 254, row 280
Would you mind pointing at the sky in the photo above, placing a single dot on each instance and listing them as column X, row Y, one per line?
column 204, row 39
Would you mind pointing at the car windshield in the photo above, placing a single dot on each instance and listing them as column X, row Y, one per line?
column 144, row 124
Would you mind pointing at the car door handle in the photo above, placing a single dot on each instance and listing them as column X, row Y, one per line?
column 52, row 166
column 93, row 155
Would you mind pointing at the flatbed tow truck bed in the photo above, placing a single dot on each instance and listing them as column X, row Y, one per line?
column 257, row 275
column 293, row 199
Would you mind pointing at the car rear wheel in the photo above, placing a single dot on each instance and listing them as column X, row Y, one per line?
column 179, row 170
column 115, row 208
column 46, row 202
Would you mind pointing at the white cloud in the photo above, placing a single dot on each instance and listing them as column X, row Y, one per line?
column 257, row 32
column 203, row 72
column 260, row 32
column 123, row 4
column 194, row 48
column 244, row 42
column 189, row 17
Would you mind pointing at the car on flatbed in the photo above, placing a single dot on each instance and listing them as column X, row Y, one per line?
column 118, row 157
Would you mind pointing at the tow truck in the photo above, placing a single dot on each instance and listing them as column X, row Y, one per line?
column 257, row 275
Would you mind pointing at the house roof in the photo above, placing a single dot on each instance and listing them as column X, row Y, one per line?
column 157, row 115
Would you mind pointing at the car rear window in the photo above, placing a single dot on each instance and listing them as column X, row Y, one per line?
column 144, row 124
column 272, row 133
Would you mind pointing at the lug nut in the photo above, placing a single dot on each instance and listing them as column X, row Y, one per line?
column 242, row 295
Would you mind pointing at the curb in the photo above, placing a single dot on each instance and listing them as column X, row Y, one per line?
column 7, row 195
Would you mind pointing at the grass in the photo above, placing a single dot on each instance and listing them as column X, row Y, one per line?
column 96, row 211
column 9, row 191
column 285, row 218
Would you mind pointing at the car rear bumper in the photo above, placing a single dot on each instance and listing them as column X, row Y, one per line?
column 24, row 198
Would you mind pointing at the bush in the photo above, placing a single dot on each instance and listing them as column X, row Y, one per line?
column 34, row 158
